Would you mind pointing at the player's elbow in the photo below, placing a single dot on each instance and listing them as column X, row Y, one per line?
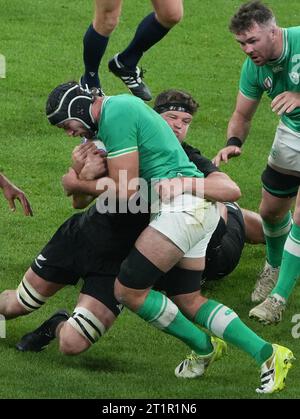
column 78, row 205
column 230, row 192
column 81, row 202
column 234, row 192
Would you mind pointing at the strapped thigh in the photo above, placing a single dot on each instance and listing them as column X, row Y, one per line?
column 87, row 324
column 28, row 297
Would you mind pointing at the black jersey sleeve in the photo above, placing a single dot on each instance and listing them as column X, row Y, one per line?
column 202, row 163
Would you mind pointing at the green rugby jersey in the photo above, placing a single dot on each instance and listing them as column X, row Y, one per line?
column 276, row 76
column 127, row 124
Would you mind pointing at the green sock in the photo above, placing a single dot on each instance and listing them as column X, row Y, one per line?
column 290, row 266
column 162, row 313
column 225, row 323
column 276, row 235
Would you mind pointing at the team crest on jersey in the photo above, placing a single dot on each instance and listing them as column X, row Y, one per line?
column 294, row 76
column 277, row 69
column 268, row 83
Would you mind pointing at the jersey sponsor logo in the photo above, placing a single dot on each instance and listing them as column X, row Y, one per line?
column 277, row 69
column 268, row 83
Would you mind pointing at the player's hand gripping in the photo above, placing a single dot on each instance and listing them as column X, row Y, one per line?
column 80, row 153
column 95, row 166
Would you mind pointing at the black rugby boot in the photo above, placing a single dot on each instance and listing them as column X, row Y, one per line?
column 39, row 339
column 131, row 78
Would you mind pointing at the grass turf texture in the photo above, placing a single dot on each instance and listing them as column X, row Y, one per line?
column 42, row 42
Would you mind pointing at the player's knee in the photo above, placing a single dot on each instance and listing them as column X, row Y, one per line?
column 131, row 298
column 271, row 215
column 190, row 303
column 136, row 276
column 71, row 342
column 11, row 307
column 106, row 23
column 122, row 294
column 169, row 18
column 81, row 330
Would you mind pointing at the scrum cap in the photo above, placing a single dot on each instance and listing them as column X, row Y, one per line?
column 70, row 101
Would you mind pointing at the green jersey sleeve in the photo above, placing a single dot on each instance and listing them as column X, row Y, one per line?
column 119, row 130
column 249, row 85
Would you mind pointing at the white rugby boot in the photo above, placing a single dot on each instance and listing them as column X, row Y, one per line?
column 196, row 365
column 265, row 283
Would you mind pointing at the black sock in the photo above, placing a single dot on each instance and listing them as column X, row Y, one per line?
column 94, row 46
column 148, row 33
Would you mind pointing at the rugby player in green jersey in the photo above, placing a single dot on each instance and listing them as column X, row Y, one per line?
column 142, row 145
column 273, row 67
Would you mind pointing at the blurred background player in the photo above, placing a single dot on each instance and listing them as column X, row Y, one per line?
column 151, row 30
column 271, row 68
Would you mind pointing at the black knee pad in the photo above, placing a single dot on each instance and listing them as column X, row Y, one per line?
column 180, row 281
column 138, row 272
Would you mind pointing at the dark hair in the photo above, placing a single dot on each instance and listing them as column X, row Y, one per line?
column 249, row 14
column 174, row 98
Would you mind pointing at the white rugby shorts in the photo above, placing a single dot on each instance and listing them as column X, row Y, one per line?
column 285, row 152
column 189, row 229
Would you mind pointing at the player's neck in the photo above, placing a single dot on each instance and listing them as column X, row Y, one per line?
column 278, row 44
column 96, row 108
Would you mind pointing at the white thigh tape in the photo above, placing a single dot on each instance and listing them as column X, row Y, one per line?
column 28, row 297
column 87, row 324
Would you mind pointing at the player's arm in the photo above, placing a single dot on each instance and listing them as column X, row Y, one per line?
column 202, row 163
column 238, row 128
column 79, row 156
column 216, row 187
column 220, row 187
column 81, row 201
column 124, row 172
column 11, row 193
column 89, row 164
column 122, row 179
column 95, row 167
